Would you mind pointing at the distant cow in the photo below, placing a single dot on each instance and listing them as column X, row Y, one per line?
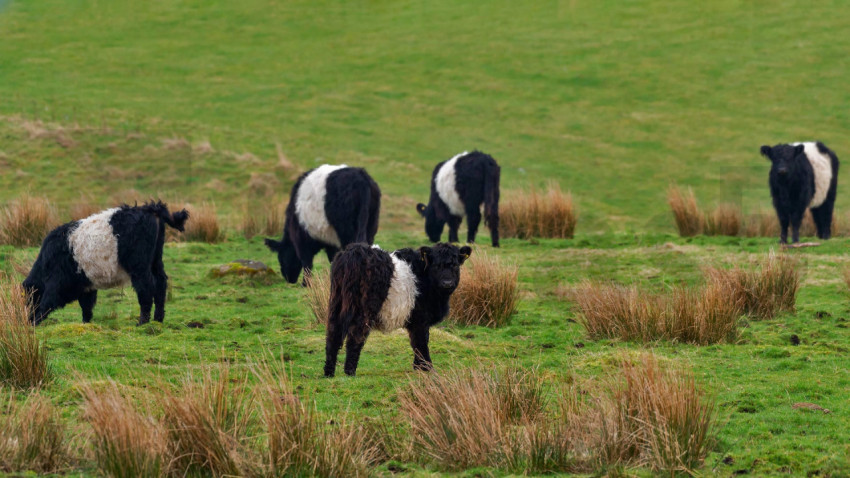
column 329, row 208
column 802, row 175
column 373, row 289
column 458, row 187
column 109, row 249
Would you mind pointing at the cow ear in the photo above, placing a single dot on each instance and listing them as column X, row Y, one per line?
column 420, row 208
column 273, row 245
column 765, row 151
column 465, row 252
column 798, row 150
column 425, row 255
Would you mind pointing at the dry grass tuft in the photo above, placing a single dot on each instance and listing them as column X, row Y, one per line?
column 301, row 444
column 724, row 220
column 761, row 224
column 487, row 294
column 534, row 214
column 26, row 221
column 765, row 291
column 699, row 316
column 207, row 423
column 32, row 436
column 126, row 443
column 83, row 208
column 263, row 220
column 318, row 294
column 690, row 221
column 203, row 225
column 23, row 358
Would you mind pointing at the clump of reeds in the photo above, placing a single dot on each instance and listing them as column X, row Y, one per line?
column 318, row 294
column 487, row 294
column 126, row 442
column 23, row 357
column 26, row 221
column 761, row 224
column 724, row 220
column 766, row 290
column 266, row 220
column 32, row 436
column 203, row 225
column 698, row 315
column 690, row 221
column 83, row 208
column 534, row 214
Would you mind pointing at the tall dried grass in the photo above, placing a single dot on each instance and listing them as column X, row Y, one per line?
column 318, row 294
column 26, row 221
column 203, row 225
column 83, row 208
column 126, row 443
column 32, row 436
column 765, row 291
column 23, row 357
column 266, row 220
column 700, row 316
column 534, row 214
column 723, row 220
column 690, row 221
column 207, row 423
column 487, row 294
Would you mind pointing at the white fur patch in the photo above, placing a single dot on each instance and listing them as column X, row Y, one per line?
column 447, row 187
column 95, row 248
column 310, row 205
column 401, row 297
column 822, row 167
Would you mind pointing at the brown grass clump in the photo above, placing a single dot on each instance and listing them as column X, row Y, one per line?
column 318, row 294
column 699, row 316
column 126, row 443
column 266, row 220
column 206, row 425
column 690, row 221
column 32, row 436
column 534, row 214
column 765, row 291
column 84, row 208
column 202, row 225
column 26, row 221
column 724, row 220
column 487, row 294
column 761, row 224
column 300, row 443
column 23, row 358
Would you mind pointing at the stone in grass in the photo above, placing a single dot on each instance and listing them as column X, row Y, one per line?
column 243, row 267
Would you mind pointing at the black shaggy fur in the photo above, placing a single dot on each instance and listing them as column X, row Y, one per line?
column 792, row 186
column 352, row 206
column 477, row 181
column 360, row 281
column 57, row 280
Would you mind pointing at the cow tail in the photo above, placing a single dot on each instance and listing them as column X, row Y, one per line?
column 364, row 201
column 348, row 277
column 491, row 196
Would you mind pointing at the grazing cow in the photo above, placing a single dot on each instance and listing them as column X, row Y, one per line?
column 330, row 207
column 373, row 289
column 458, row 187
column 103, row 251
column 802, row 175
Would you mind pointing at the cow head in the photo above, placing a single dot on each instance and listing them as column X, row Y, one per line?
column 784, row 158
column 290, row 265
column 442, row 265
column 433, row 225
column 33, row 293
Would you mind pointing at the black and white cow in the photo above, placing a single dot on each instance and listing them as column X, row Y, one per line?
column 374, row 289
column 329, row 208
column 458, row 188
column 106, row 250
column 802, row 175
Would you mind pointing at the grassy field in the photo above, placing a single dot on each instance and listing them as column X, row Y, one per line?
column 226, row 102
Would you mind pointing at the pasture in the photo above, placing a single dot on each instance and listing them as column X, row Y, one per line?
column 222, row 104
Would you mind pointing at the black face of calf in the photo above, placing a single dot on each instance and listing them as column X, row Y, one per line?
column 784, row 158
column 34, row 294
column 442, row 265
column 290, row 265
column 433, row 226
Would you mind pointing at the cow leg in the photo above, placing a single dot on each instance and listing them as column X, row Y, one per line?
column 823, row 220
column 796, row 221
column 145, row 289
column 331, row 252
column 333, row 342
column 454, row 225
column 87, row 302
column 473, row 219
column 357, row 336
column 160, row 291
column 419, row 342
column 783, row 227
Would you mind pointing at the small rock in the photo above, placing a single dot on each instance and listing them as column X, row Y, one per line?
column 728, row 460
column 195, row 325
column 242, row 267
column 809, row 406
column 579, row 345
column 795, row 340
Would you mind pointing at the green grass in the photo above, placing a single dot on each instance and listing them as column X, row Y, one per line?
column 613, row 100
